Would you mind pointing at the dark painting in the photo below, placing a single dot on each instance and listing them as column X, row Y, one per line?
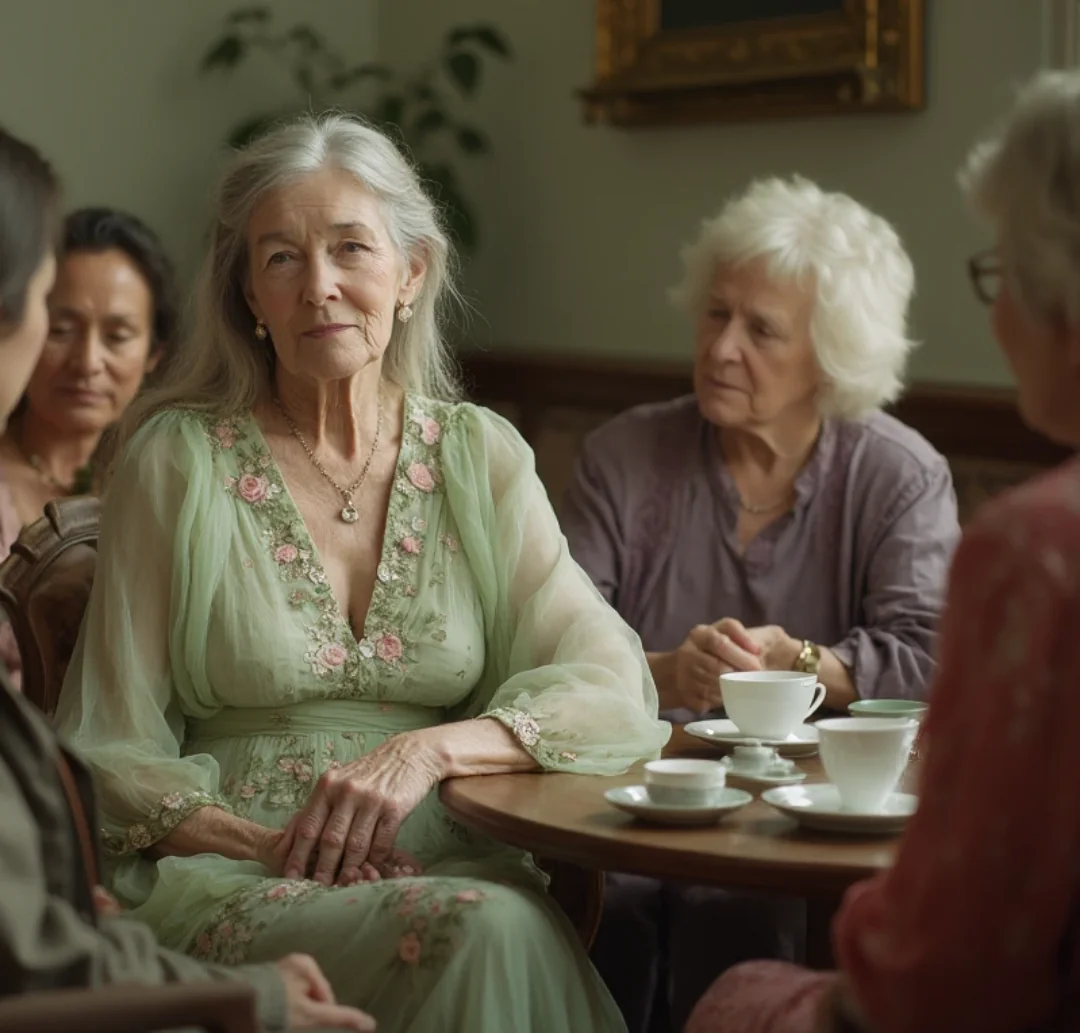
column 700, row 14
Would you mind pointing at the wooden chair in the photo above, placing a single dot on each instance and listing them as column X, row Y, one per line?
column 45, row 585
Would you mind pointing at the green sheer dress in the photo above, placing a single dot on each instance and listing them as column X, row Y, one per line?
column 215, row 669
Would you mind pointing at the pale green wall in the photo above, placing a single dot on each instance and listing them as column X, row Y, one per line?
column 583, row 225
column 109, row 90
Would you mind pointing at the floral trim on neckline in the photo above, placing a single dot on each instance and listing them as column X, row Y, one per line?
column 353, row 668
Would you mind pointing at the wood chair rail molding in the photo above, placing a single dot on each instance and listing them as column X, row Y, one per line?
column 555, row 400
column 959, row 420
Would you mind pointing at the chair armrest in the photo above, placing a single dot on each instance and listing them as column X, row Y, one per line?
column 213, row 1007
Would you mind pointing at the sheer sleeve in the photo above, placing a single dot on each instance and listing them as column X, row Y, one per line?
column 143, row 641
column 967, row 930
column 563, row 671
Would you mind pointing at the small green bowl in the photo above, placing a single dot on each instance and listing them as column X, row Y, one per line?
column 889, row 708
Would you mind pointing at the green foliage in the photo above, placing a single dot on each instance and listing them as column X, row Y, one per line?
column 417, row 110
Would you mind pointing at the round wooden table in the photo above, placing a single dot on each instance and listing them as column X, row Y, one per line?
column 756, row 848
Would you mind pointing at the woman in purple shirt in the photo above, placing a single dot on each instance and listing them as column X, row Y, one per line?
column 775, row 519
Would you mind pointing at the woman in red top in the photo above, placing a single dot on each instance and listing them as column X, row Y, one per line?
column 977, row 926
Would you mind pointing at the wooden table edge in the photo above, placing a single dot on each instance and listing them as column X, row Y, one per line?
column 643, row 859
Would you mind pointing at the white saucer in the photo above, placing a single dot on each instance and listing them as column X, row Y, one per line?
column 818, row 807
column 756, row 778
column 635, row 800
column 803, row 742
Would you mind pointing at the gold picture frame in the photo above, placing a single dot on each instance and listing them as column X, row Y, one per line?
column 656, row 66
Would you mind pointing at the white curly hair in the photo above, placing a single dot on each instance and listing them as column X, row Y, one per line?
column 852, row 259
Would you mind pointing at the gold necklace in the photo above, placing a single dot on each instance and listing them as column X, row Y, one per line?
column 348, row 512
column 81, row 485
column 761, row 510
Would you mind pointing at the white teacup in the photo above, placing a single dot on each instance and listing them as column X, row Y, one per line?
column 864, row 757
column 684, row 783
column 770, row 704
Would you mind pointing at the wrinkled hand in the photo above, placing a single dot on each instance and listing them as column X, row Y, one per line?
column 709, row 651
column 777, row 650
column 105, row 904
column 310, row 999
column 345, row 833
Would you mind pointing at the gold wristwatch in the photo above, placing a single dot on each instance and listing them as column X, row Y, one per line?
column 809, row 659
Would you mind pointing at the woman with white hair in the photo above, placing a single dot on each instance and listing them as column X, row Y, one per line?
column 775, row 519
column 323, row 587
column 977, row 924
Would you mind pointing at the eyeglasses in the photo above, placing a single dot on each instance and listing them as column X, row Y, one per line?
column 986, row 272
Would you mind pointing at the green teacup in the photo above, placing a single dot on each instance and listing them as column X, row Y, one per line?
column 905, row 708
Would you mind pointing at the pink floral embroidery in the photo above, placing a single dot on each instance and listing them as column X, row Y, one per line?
column 247, row 792
column 332, row 655
column 225, row 434
column 172, row 801
column 388, row 649
column 409, row 948
column 251, row 488
column 286, row 553
column 469, row 896
column 203, row 943
column 277, row 892
column 420, row 476
column 526, row 729
column 303, row 771
column 410, row 545
column 286, row 763
column 430, row 431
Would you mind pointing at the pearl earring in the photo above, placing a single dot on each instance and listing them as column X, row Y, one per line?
column 260, row 330
column 404, row 313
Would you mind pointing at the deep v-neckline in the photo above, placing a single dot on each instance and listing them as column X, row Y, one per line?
column 316, row 562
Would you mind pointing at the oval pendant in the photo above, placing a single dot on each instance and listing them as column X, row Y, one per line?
column 349, row 514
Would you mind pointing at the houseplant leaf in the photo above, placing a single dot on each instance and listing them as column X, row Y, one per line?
column 489, row 38
column 226, row 53
column 430, row 121
column 472, row 141
column 340, row 80
column 244, row 132
column 389, row 113
column 307, row 38
column 249, row 14
column 442, row 186
column 464, row 70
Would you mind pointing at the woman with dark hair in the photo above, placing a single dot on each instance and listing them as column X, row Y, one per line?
column 112, row 315
column 57, row 930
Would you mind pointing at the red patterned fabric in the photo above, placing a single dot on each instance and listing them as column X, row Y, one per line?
column 976, row 925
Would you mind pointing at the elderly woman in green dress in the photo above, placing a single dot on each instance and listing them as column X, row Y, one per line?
column 323, row 587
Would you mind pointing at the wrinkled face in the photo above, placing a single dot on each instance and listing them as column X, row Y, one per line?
column 754, row 361
column 324, row 276
column 1044, row 356
column 100, row 343
column 20, row 346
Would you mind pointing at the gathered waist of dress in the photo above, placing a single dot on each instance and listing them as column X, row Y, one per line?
column 316, row 716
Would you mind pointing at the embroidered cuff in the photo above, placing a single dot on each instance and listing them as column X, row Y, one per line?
column 170, row 811
column 526, row 729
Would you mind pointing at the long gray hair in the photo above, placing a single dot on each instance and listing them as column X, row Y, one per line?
column 221, row 368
